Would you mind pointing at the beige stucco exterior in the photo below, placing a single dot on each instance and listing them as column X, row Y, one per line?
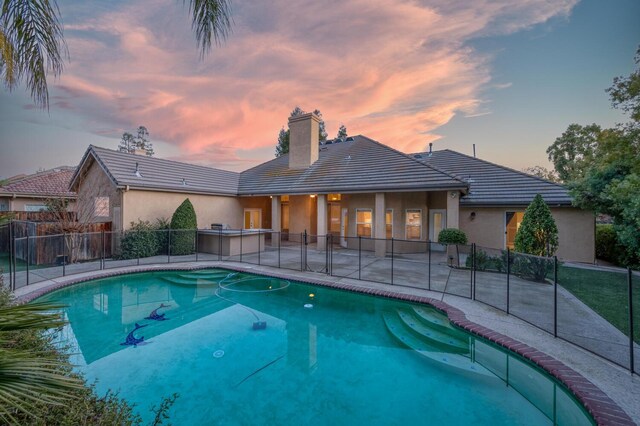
column 576, row 230
column 152, row 205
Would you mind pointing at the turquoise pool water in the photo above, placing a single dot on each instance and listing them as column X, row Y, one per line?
column 244, row 349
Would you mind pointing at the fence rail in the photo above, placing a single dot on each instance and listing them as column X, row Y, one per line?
column 595, row 308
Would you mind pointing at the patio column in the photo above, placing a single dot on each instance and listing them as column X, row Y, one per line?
column 379, row 228
column 276, row 218
column 453, row 209
column 321, row 223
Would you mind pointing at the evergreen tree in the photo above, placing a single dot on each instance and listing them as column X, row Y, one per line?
column 342, row 132
column 130, row 143
column 283, row 142
column 322, row 132
column 538, row 233
column 184, row 226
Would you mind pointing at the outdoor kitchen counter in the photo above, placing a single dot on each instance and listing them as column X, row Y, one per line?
column 229, row 242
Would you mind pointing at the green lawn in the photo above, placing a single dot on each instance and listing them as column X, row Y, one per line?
column 606, row 293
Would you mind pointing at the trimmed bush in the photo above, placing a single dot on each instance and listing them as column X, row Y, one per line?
column 162, row 226
column 452, row 236
column 139, row 241
column 538, row 233
column 183, row 221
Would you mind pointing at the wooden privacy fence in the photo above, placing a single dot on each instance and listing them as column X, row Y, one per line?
column 47, row 246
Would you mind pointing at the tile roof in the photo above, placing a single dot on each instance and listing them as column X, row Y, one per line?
column 50, row 183
column 159, row 174
column 358, row 165
column 492, row 184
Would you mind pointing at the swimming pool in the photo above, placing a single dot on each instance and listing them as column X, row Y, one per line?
column 246, row 349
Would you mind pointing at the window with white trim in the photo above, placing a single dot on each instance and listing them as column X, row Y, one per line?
column 101, row 206
column 413, row 224
column 388, row 223
column 364, row 219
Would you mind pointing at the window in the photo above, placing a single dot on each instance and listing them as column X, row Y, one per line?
column 35, row 207
column 101, row 207
column 4, row 205
column 364, row 219
column 413, row 224
column 388, row 219
column 513, row 221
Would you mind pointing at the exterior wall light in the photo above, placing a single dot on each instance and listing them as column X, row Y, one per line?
column 472, row 216
column 312, row 195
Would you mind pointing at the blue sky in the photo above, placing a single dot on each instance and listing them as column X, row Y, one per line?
column 507, row 76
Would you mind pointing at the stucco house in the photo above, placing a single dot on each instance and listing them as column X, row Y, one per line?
column 349, row 188
column 29, row 193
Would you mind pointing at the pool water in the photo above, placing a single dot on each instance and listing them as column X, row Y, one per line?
column 245, row 349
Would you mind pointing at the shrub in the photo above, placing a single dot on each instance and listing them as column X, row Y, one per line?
column 452, row 236
column 162, row 226
column 538, row 233
column 607, row 245
column 485, row 262
column 183, row 220
column 139, row 240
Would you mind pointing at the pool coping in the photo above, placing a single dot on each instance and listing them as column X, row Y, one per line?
column 599, row 405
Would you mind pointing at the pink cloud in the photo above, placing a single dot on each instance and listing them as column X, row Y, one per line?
column 393, row 70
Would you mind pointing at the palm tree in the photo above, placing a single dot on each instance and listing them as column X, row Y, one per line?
column 32, row 44
column 27, row 377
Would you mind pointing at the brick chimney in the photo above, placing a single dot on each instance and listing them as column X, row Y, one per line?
column 303, row 140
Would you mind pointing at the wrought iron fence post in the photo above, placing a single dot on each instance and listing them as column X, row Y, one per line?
column 359, row 256
column 11, row 254
column 138, row 252
column 102, row 255
column 196, row 243
column 169, row 246
column 240, row 245
column 631, row 325
column 331, row 255
column 220, row 244
column 508, row 277
column 65, row 253
column 259, row 247
column 429, row 275
column 326, row 253
column 14, row 260
column 391, row 260
column 279, row 244
column 555, row 296
column 28, row 256
column 301, row 251
column 473, row 271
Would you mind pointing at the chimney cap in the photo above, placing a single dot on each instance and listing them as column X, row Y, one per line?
column 307, row 116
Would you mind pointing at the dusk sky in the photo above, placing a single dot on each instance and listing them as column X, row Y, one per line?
column 509, row 76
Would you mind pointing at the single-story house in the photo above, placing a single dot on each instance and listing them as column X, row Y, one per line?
column 349, row 188
column 29, row 193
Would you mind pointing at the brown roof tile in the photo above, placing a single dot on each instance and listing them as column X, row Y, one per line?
column 50, row 183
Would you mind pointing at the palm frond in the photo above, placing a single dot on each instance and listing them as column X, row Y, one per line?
column 39, row 316
column 26, row 380
column 211, row 19
column 34, row 31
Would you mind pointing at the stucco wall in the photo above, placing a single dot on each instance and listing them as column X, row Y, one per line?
column 576, row 230
column 151, row 205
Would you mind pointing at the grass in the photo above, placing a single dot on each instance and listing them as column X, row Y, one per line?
column 606, row 293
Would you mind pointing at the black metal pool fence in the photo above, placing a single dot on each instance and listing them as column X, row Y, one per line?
column 594, row 307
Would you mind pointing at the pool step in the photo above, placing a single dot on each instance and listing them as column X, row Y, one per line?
column 457, row 363
column 435, row 337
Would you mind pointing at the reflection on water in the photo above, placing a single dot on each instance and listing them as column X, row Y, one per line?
column 242, row 349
